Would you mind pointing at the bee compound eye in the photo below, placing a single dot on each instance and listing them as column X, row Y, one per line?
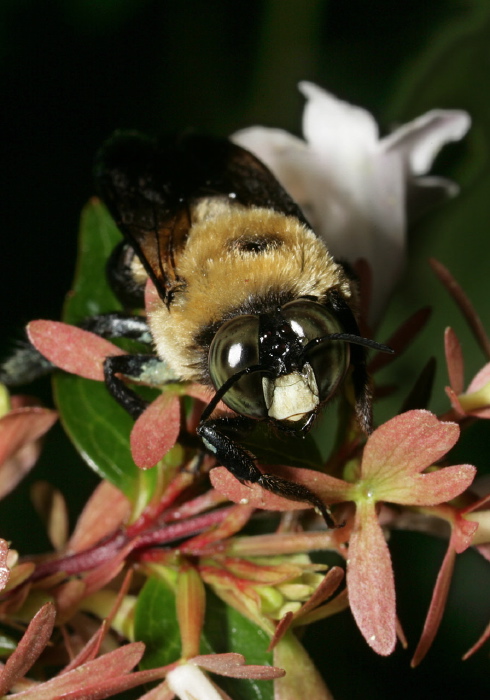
column 329, row 359
column 234, row 348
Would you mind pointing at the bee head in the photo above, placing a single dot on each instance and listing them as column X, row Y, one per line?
column 280, row 366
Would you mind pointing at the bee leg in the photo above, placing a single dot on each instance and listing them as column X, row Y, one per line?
column 118, row 325
column 360, row 376
column 131, row 366
column 362, row 389
column 147, row 369
column 241, row 464
column 24, row 365
column 120, row 275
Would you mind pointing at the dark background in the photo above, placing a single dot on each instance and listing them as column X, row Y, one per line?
column 71, row 71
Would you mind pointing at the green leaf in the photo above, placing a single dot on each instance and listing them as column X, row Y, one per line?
column 91, row 294
column 155, row 624
column 225, row 630
column 98, row 427
column 230, row 631
column 7, row 645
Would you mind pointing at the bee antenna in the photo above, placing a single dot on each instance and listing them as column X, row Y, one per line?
column 348, row 338
column 227, row 386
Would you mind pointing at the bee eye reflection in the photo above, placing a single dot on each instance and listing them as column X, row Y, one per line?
column 236, row 347
column 329, row 359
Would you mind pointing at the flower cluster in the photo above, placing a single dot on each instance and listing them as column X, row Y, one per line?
column 192, row 573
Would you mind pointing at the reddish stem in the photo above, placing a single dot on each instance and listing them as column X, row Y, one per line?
column 107, row 550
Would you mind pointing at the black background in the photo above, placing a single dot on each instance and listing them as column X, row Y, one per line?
column 72, row 71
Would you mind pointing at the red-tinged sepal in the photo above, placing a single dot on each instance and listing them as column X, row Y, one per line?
column 475, row 401
column 190, row 604
column 20, row 444
column 328, row 488
column 4, row 568
column 399, row 450
column 461, row 538
column 72, row 349
column 29, row 648
column 370, row 581
column 437, row 605
column 97, row 521
column 479, row 643
column 156, row 430
column 233, row 665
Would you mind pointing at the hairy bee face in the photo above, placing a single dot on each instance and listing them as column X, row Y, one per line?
column 290, row 376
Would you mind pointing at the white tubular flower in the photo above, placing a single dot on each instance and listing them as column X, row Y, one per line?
column 353, row 186
column 188, row 682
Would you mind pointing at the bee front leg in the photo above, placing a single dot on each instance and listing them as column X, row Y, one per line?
column 26, row 363
column 146, row 369
column 130, row 366
column 235, row 458
column 241, row 464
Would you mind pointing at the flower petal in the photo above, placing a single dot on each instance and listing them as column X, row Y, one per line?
column 480, row 380
column 336, row 127
column 72, row 349
column 419, row 141
column 353, row 187
column 189, row 682
column 370, row 581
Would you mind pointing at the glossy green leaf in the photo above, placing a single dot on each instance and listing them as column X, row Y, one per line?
column 155, row 624
column 98, row 427
column 230, row 631
column 91, row 294
column 225, row 630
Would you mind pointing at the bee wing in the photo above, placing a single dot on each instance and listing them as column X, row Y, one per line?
column 223, row 168
column 150, row 188
column 137, row 188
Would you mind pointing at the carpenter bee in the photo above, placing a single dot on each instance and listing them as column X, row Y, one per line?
column 251, row 303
